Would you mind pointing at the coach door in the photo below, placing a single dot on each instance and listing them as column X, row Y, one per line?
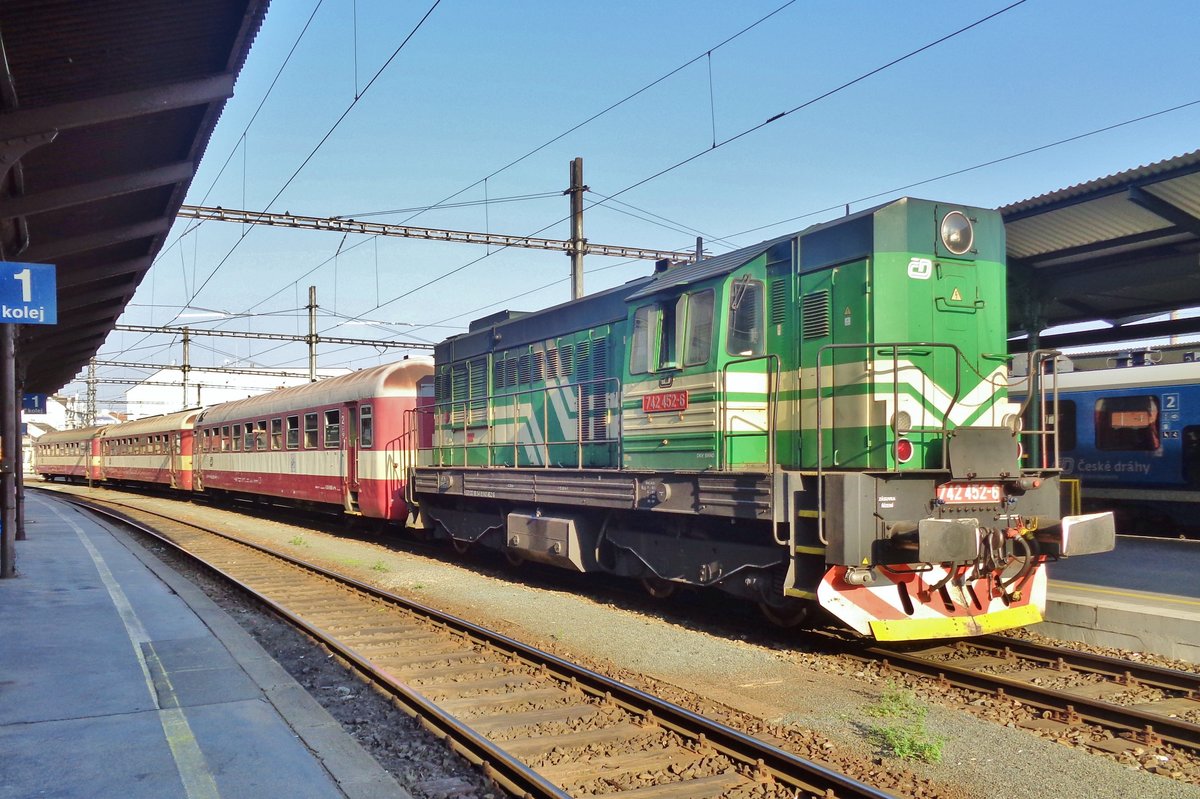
column 350, row 441
column 174, row 457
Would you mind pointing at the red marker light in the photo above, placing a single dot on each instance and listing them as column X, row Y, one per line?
column 904, row 450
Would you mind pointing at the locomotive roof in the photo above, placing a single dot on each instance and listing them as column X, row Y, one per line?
column 697, row 271
column 163, row 423
column 841, row 239
column 600, row 308
column 397, row 379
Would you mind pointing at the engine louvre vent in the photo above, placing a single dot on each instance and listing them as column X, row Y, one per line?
column 815, row 312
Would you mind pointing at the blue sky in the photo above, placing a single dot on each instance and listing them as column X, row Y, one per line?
column 480, row 84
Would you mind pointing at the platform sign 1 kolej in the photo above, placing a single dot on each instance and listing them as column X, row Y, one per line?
column 28, row 294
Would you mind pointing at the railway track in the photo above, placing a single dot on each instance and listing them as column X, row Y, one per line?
column 536, row 724
column 1138, row 705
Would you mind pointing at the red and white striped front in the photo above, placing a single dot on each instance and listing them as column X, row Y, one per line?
column 905, row 605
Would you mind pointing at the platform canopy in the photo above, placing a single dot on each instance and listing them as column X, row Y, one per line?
column 105, row 111
column 1118, row 249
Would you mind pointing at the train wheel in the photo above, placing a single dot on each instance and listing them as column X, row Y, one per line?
column 790, row 614
column 514, row 557
column 460, row 546
column 657, row 587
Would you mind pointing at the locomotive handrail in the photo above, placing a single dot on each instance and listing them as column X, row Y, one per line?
column 451, row 407
column 773, row 370
column 1040, row 434
column 868, row 350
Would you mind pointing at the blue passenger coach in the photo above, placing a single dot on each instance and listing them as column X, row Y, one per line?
column 1131, row 436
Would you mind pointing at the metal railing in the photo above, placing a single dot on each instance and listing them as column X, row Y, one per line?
column 493, row 430
column 727, row 434
column 1043, row 434
column 921, row 348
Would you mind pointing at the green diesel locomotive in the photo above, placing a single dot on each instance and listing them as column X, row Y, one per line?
column 819, row 419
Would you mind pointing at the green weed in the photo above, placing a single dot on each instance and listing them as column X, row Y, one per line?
column 298, row 541
column 379, row 566
column 904, row 734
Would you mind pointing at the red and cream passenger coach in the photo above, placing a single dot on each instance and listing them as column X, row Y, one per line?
column 157, row 450
column 337, row 442
column 68, row 454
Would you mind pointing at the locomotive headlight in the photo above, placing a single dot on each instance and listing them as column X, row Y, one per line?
column 958, row 234
column 902, row 422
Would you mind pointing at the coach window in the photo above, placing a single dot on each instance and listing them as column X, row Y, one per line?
column 225, row 447
column 310, row 431
column 1064, row 425
column 293, row 432
column 333, row 428
column 1127, row 423
column 745, row 318
column 237, row 438
column 366, row 427
column 248, row 440
column 277, row 434
column 260, row 435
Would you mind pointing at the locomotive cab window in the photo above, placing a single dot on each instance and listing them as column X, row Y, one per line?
column 698, row 338
column 333, row 428
column 659, row 329
column 1128, row 423
column 745, row 336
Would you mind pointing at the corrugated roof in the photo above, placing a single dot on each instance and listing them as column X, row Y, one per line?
column 1118, row 248
column 111, row 106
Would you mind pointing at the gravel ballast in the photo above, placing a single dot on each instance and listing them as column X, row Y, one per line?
column 784, row 680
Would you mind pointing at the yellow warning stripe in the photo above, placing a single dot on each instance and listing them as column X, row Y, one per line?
column 954, row 626
column 1128, row 594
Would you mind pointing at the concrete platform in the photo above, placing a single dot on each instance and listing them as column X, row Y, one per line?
column 120, row 678
column 1144, row 596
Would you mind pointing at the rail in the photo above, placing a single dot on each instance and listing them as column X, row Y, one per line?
column 320, row 602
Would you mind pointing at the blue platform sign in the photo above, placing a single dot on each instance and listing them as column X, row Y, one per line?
column 33, row 403
column 28, row 294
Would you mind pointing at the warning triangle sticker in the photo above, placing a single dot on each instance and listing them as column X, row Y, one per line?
column 956, row 296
